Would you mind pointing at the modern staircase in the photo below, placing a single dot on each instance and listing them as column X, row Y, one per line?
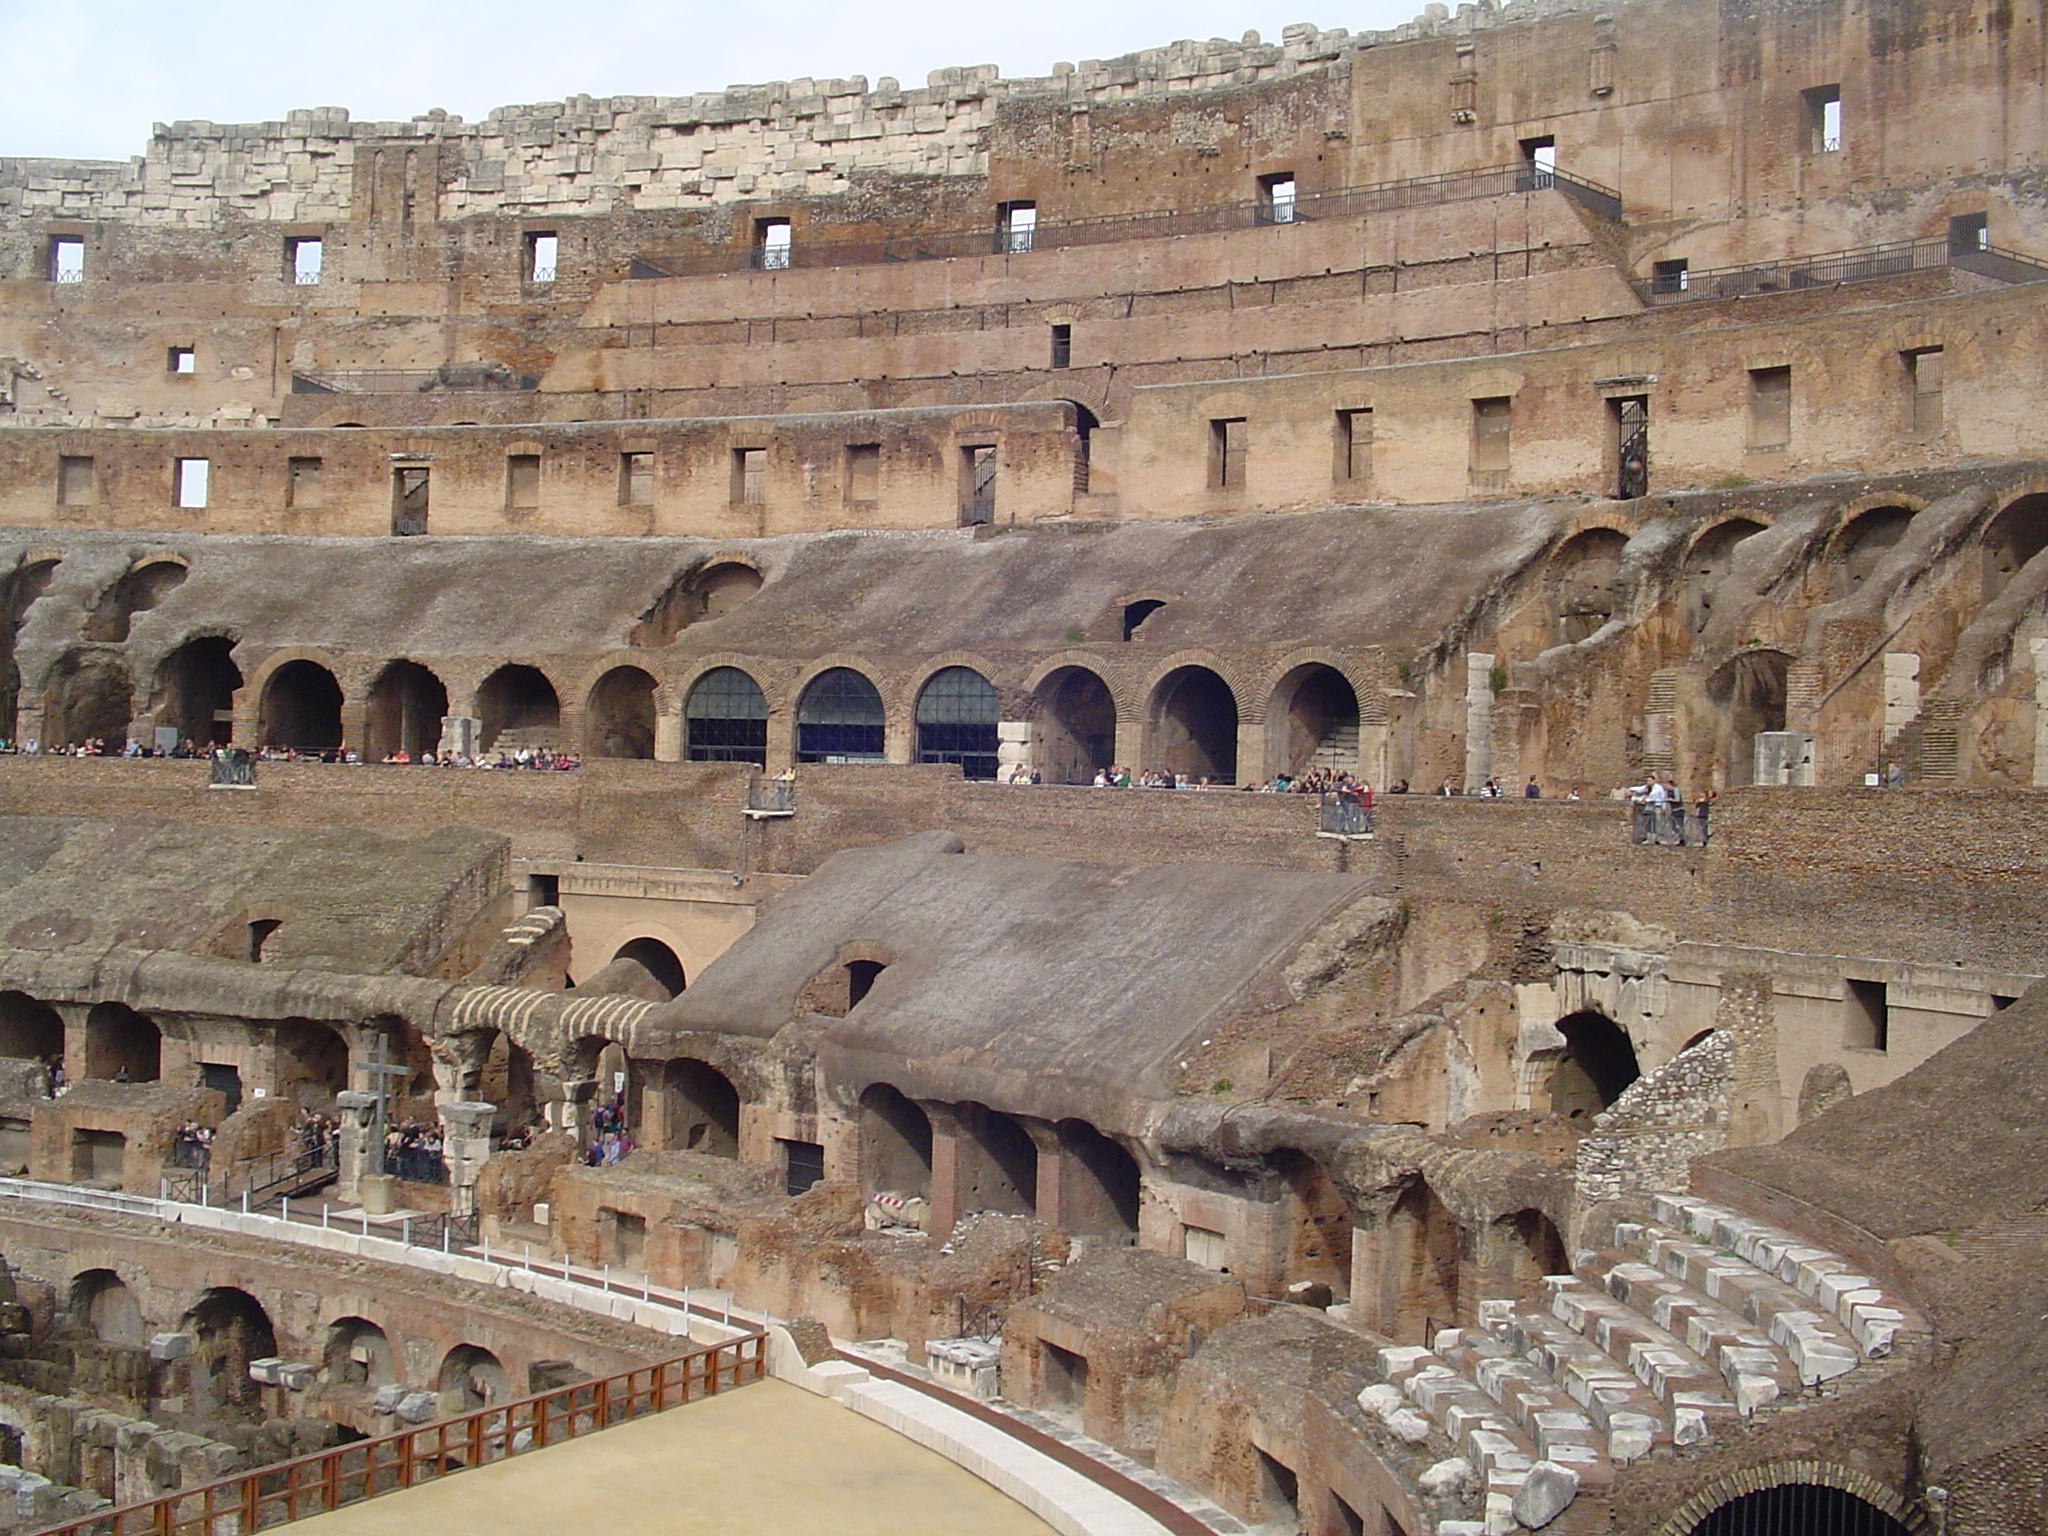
column 1685, row 1326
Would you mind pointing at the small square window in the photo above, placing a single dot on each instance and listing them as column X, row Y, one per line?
column 1017, row 226
column 864, row 472
column 978, row 485
column 636, row 479
column 1354, row 446
column 1276, row 198
column 1923, row 377
column 542, row 252
column 1670, row 278
column 771, row 244
column 1062, row 346
column 302, row 258
column 1823, row 106
column 184, row 360
column 1228, row 436
column 1866, row 1015
column 74, row 480
column 67, row 259
column 522, row 481
column 302, row 483
column 190, row 482
column 749, row 476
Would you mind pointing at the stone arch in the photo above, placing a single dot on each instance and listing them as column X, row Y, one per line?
column 1581, row 579
column 518, row 707
column 841, row 986
column 620, row 714
column 120, row 1042
column 1421, row 1269
column 895, row 1143
column 1135, row 610
column 700, row 1108
column 19, row 590
column 840, row 714
column 229, row 1328
column 1312, row 718
column 29, row 1029
column 470, row 1378
column 1801, row 1482
column 1191, row 721
column 312, row 1063
column 956, row 719
column 1706, row 565
column 145, row 584
column 999, row 1163
column 1750, row 690
column 1099, row 1184
column 1597, row 1064
column 195, row 690
column 358, row 1353
column 407, row 703
column 87, row 695
column 1320, row 1226
column 1535, row 1248
column 102, row 1305
column 300, row 707
column 708, row 590
column 725, row 718
column 1861, row 544
column 2012, row 539
column 658, row 960
column 1076, row 714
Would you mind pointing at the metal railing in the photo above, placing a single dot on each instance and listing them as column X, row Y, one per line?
column 263, row 1497
column 452, row 378
column 772, row 797
column 1833, row 267
column 981, row 1320
column 255, row 1181
column 233, row 769
column 1305, row 208
column 418, row 1165
column 1667, row 826
column 1344, row 815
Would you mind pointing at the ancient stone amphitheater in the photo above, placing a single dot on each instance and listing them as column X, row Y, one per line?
column 566, row 681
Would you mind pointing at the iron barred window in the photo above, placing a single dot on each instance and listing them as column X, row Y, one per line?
column 956, row 722
column 839, row 719
column 727, row 719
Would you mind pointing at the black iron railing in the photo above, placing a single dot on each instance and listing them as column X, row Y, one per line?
column 1668, row 826
column 1825, row 271
column 453, row 378
column 1345, row 815
column 772, row 797
column 231, row 768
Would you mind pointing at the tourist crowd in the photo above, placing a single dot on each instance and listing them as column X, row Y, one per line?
column 526, row 757
column 610, row 1141
column 413, row 1152
column 192, row 1145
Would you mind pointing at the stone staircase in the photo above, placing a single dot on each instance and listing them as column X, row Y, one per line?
column 1685, row 1326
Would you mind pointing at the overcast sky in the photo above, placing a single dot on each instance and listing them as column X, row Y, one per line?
column 87, row 78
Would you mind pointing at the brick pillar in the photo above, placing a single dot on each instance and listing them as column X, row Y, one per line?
column 946, row 1169
column 1050, row 1202
column 1130, row 744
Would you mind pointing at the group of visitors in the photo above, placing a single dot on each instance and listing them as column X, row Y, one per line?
column 1148, row 778
column 192, row 1145
column 525, row 757
column 319, row 1137
column 96, row 746
column 56, row 1080
column 1017, row 773
column 610, row 1141
column 1317, row 781
column 1657, row 812
column 413, row 1152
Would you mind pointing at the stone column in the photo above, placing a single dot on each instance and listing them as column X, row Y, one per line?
column 668, row 737
column 1478, row 719
column 1252, row 756
column 572, row 1113
column 459, row 734
column 2040, row 652
column 1049, row 1203
column 946, row 1169
column 465, row 1148
column 1901, row 691
column 355, row 1108
column 1130, row 744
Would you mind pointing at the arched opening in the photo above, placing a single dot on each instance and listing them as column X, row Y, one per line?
column 1319, row 1245
column 895, row 1144
column 1597, row 1063
column 518, row 708
column 102, row 1305
column 2014, row 537
column 301, row 709
column 1193, row 726
column 726, row 719
column 1750, row 692
column 18, row 591
column 956, row 722
column 696, row 597
column 658, row 960
column 1707, row 563
column 1098, row 1184
column 229, row 1328
column 195, row 690
column 30, row 1030
column 471, row 1378
column 861, row 976
column 999, row 1163
column 1582, row 583
column 1076, row 726
column 1135, row 615
column 839, row 719
column 1809, row 1509
column 700, row 1108
column 1420, row 1280
column 620, row 715
column 312, row 1064
column 507, row 1080
column 359, row 1354
column 1312, row 722
column 407, row 705
column 1862, row 545
column 1535, row 1249
column 87, row 697
column 122, row 1045
column 137, row 592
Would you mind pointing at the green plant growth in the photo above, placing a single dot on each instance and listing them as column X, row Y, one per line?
column 1497, row 679
column 1076, row 636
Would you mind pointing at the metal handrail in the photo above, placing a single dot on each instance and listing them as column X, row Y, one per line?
column 1831, row 267
column 1306, row 208
column 309, row 1485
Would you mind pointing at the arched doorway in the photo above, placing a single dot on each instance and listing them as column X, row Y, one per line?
column 1319, row 1248
column 1535, row 1248
column 407, row 705
column 999, row 1163
column 1193, row 726
column 1312, row 722
column 137, row 592
column 2012, row 540
column 87, row 697
column 1420, row 1278
column 956, row 722
column 518, row 707
column 359, row 1354
column 103, row 1306
column 1098, row 1184
column 895, row 1143
column 1582, row 583
column 471, row 1377
column 301, row 709
column 121, row 1044
column 619, row 719
column 195, row 690
column 229, row 1328
column 1598, row 1062
column 18, row 591
column 1807, row 1509
column 1750, row 691
column 726, row 719
column 312, row 1064
column 700, row 1108
column 839, row 719
column 1076, row 726
column 30, row 1030
column 695, row 597
column 1862, row 545
column 658, row 960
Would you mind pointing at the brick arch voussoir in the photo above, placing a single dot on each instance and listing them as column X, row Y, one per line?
column 1166, row 666
column 1778, row 1474
column 1311, row 656
column 350, row 672
column 665, row 698
column 1115, row 678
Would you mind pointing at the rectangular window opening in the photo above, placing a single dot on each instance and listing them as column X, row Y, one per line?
column 410, row 484
column 1062, row 346
column 1276, row 198
column 1824, row 118
column 864, row 472
column 1670, row 277
column 803, row 1164
column 302, row 258
column 183, row 360
column 749, row 476
column 1017, row 226
column 1063, row 1376
column 543, row 891
column 977, row 484
column 302, row 483
column 1969, row 233
column 772, row 239
column 522, row 481
column 542, row 253
column 1228, row 436
column 1866, row 1016
column 1770, row 407
column 1492, row 423
column 74, row 480
column 1923, row 377
column 189, row 482
column 1279, row 1489
column 1540, row 155
column 67, row 259
column 1201, row 1246
column 636, row 479
column 1629, row 426
column 1354, row 445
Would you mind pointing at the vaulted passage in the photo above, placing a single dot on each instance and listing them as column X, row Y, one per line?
column 121, row 1043
column 725, row 719
column 700, row 1108
column 998, row 1163
column 358, row 1354
column 895, row 1143
column 956, row 722
column 1420, row 1269
column 1076, row 726
column 1193, row 726
column 1750, row 690
column 619, row 721
column 1098, row 1184
column 407, row 705
column 1862, row 545
column 195, row 690
column 519, row 708
column 229, row 1329
column 29, row 1029
column 658, row 960
column 1800, row 1509
column 471, row 1377
column 1312, row 722
column 839, row 719
column 137, row 592
column 89, row 697
column 2012, row 540
column 312, row 1063
column 103, row 1306
column 1598, row 1062
column 301, row 709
